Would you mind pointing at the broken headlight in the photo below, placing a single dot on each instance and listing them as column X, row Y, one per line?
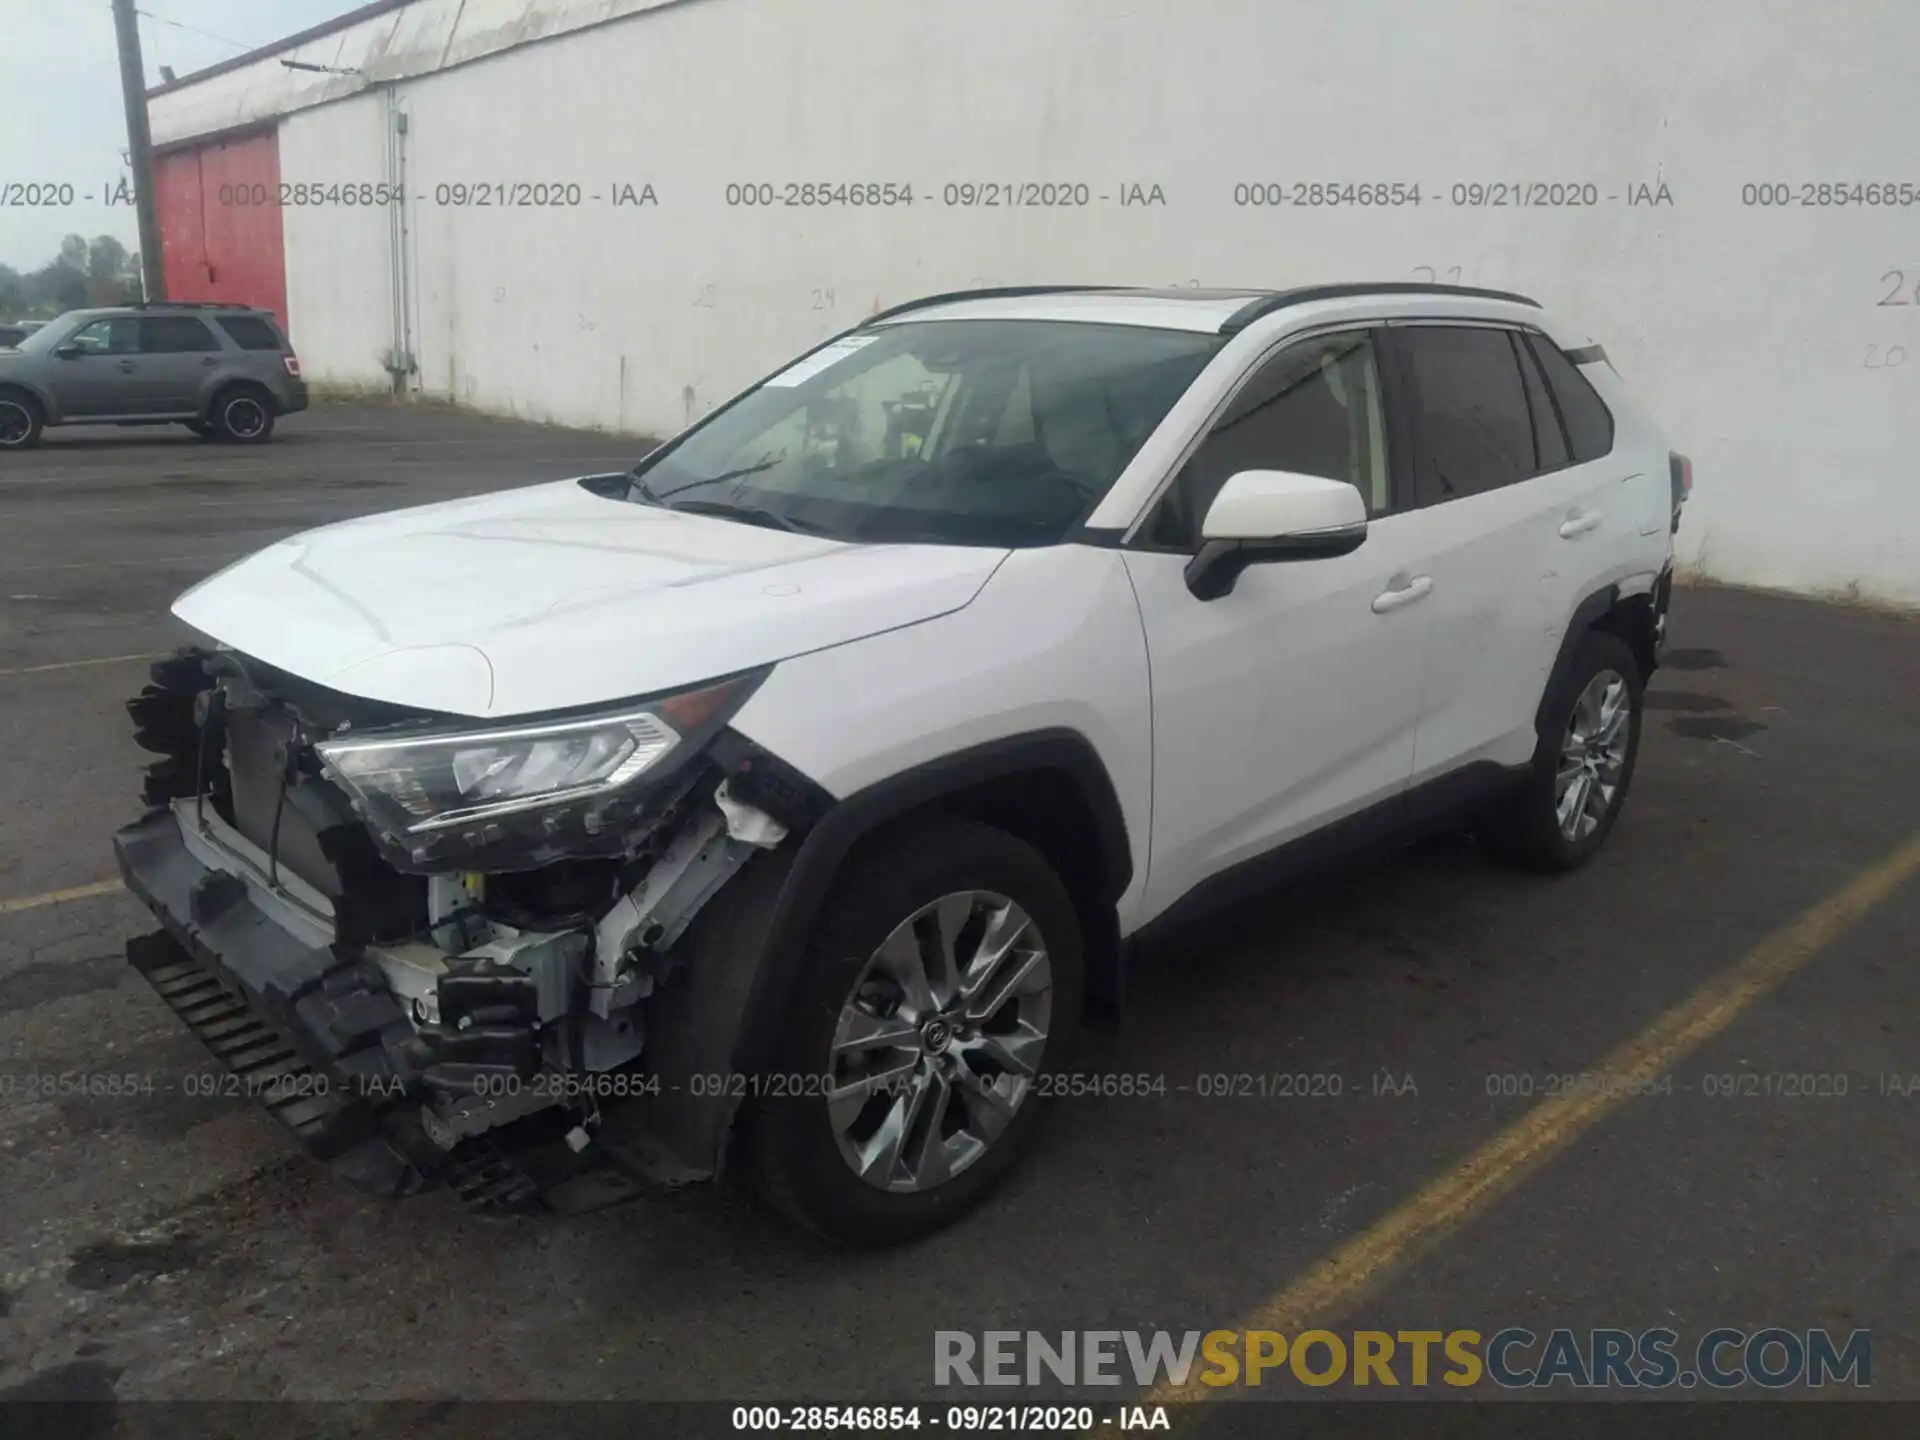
column 438, row 795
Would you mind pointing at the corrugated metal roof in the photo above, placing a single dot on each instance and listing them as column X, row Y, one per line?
column 378, row 43
column 276, row 47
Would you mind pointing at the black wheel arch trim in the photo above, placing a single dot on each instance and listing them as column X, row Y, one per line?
column 1585, row 615
column 1634, row 618
column 49, row 412
column 817, row 864
column 744, row 955
column 218, row 394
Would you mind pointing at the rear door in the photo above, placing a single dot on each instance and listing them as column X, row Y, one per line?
column 177, row 354
column 1494, row 489
column 104, row 377
column 1619, row 494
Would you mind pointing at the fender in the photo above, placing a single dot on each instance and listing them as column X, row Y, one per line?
column 818, row 863
column 721, row 1014
column 48, row 408
column 1585, row 615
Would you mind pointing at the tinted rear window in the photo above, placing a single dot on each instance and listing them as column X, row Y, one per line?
column 1475, row 433
column 175, row 335
column 1548, row 437
column 1589, row 422
column 251, row 332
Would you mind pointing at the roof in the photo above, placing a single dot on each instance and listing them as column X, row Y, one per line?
column 275, row 47
column 144, row 307
column 380, row 43
column 1211, row 312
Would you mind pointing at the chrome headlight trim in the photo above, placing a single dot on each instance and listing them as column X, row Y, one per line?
column 409, row 781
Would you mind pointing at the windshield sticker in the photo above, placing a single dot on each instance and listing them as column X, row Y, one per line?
column 824, row 358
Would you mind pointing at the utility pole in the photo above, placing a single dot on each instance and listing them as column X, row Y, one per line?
column 133, row 91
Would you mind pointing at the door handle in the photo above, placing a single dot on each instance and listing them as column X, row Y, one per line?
column 1579, row 524
column 1397, row 595
column 209, row 362
column 127, row 366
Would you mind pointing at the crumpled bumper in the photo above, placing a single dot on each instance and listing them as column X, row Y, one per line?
column 310, row 1029
column 311, row 1032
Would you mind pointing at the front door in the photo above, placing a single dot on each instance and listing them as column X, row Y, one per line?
column 103, row 378
column 1292, row 700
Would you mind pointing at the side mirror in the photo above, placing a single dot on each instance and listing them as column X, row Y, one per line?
column 69, row 351
column 1267, row 515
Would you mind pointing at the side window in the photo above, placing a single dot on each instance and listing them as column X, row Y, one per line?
column 1470, row 412
column 1549, row 439
column 1314, row 409
column 1589, row 422
column 119, row 335
column 250, row 332
column 175, row 335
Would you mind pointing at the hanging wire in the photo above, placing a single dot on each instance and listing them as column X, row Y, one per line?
column 194, row 30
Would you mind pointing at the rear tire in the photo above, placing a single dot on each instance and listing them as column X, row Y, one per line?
column 21, row 420
column 242, row 414
column 950, row 1066
column 1563, row 812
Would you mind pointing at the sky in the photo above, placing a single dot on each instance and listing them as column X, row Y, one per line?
column 61, row 116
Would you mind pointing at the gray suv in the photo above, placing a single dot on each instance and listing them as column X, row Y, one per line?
column 226, row 372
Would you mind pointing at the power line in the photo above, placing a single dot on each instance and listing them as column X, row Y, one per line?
column 192, row 30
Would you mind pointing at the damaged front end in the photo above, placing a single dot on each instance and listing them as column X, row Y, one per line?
column 438, row 949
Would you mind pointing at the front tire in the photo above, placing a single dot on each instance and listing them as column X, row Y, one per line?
column 942, row 987
column 20, row 420
column 1561, row 815
column 242, row 414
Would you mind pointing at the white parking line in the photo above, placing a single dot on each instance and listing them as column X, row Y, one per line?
column 291, row 470
column 308, row 498
column 81, row 664
column 120, row 563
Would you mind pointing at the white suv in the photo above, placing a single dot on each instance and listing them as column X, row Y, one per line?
column 793, row 797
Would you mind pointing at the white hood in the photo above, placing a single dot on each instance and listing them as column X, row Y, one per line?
column 550, row 596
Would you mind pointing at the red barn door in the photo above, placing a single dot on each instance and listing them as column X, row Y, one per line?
column 220, row 230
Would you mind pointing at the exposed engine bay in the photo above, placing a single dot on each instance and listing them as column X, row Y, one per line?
column 443, row 930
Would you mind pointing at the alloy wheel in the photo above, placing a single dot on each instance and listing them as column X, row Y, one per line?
column 15, row 423
column 1593, row 756
column 245, row 418
column 937, row 1045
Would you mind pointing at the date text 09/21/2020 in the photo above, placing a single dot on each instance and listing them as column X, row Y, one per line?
column 48, row 1086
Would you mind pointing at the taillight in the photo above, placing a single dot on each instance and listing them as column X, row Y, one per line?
column 1680, row 468
column 292, row 362
column 1682, row 476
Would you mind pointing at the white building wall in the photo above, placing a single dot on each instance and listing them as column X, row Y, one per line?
column 339, row 271
column 1778, row 342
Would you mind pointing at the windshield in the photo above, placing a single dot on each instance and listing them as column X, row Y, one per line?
column 44, row 337
column 958, row 432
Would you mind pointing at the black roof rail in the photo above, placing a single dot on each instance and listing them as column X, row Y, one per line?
column 187, row 305
column 999, row 292
column 1305, row 294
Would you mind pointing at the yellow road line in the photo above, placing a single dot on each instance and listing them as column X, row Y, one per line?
column 78, row 664
column 1445, row 1204
column 58, row 897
